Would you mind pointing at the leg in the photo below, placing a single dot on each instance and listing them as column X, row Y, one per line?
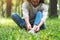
column 43, row 27
column 38, row 18
column 20, row 22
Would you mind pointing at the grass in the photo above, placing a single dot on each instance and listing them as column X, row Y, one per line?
column 10, row 31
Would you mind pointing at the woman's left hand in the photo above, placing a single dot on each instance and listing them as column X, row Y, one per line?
column 36, row 28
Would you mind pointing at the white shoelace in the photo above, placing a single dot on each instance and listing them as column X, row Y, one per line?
column 32, row 31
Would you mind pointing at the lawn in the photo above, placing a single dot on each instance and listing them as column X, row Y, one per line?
column 10, row 31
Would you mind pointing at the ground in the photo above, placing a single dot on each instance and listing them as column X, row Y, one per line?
column 10, row 31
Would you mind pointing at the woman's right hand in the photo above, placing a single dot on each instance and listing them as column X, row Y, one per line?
column 29, row 27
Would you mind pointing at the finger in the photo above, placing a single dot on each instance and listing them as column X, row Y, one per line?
column 30, row 28
column 37, row 29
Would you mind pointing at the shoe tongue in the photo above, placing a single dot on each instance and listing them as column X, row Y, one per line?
column 32, row 31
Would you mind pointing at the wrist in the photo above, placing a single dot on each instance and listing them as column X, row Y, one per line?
column 28, row 24
column 39, row 26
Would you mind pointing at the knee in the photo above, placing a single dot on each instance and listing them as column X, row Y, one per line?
column 39, row 13
column 13, row 15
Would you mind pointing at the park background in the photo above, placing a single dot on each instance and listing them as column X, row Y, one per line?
column 9, row 30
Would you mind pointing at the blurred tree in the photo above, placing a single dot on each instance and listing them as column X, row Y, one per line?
column 17, row 8
column 13, row 6
column 47, row 1
column 2, row 8
column 53, row 8
column 21, row 1
column 8, row 9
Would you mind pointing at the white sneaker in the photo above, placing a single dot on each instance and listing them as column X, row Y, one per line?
column 32, row 31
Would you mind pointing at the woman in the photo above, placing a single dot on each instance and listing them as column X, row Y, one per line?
column 34, row 14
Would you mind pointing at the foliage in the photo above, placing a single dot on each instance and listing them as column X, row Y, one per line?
column 10, row 31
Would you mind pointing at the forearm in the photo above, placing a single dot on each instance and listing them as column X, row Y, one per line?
column 27, row 21
column 41, row 23
column 28, row 25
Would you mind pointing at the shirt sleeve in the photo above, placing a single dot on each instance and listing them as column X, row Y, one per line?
column 25, row 10
column 45, row 12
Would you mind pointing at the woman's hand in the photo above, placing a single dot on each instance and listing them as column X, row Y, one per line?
column 36, row 28
column 29, row 27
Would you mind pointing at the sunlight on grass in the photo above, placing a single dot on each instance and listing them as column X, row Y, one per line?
column 4, row 21
column 10, row 31
column 8, row 22
column 59, row 16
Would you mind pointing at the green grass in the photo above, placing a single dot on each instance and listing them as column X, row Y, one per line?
column 10, row 31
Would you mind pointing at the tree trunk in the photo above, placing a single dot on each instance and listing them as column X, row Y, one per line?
column 9, row 3
column 19, row 7
column 2, row 9
column 53, row 8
